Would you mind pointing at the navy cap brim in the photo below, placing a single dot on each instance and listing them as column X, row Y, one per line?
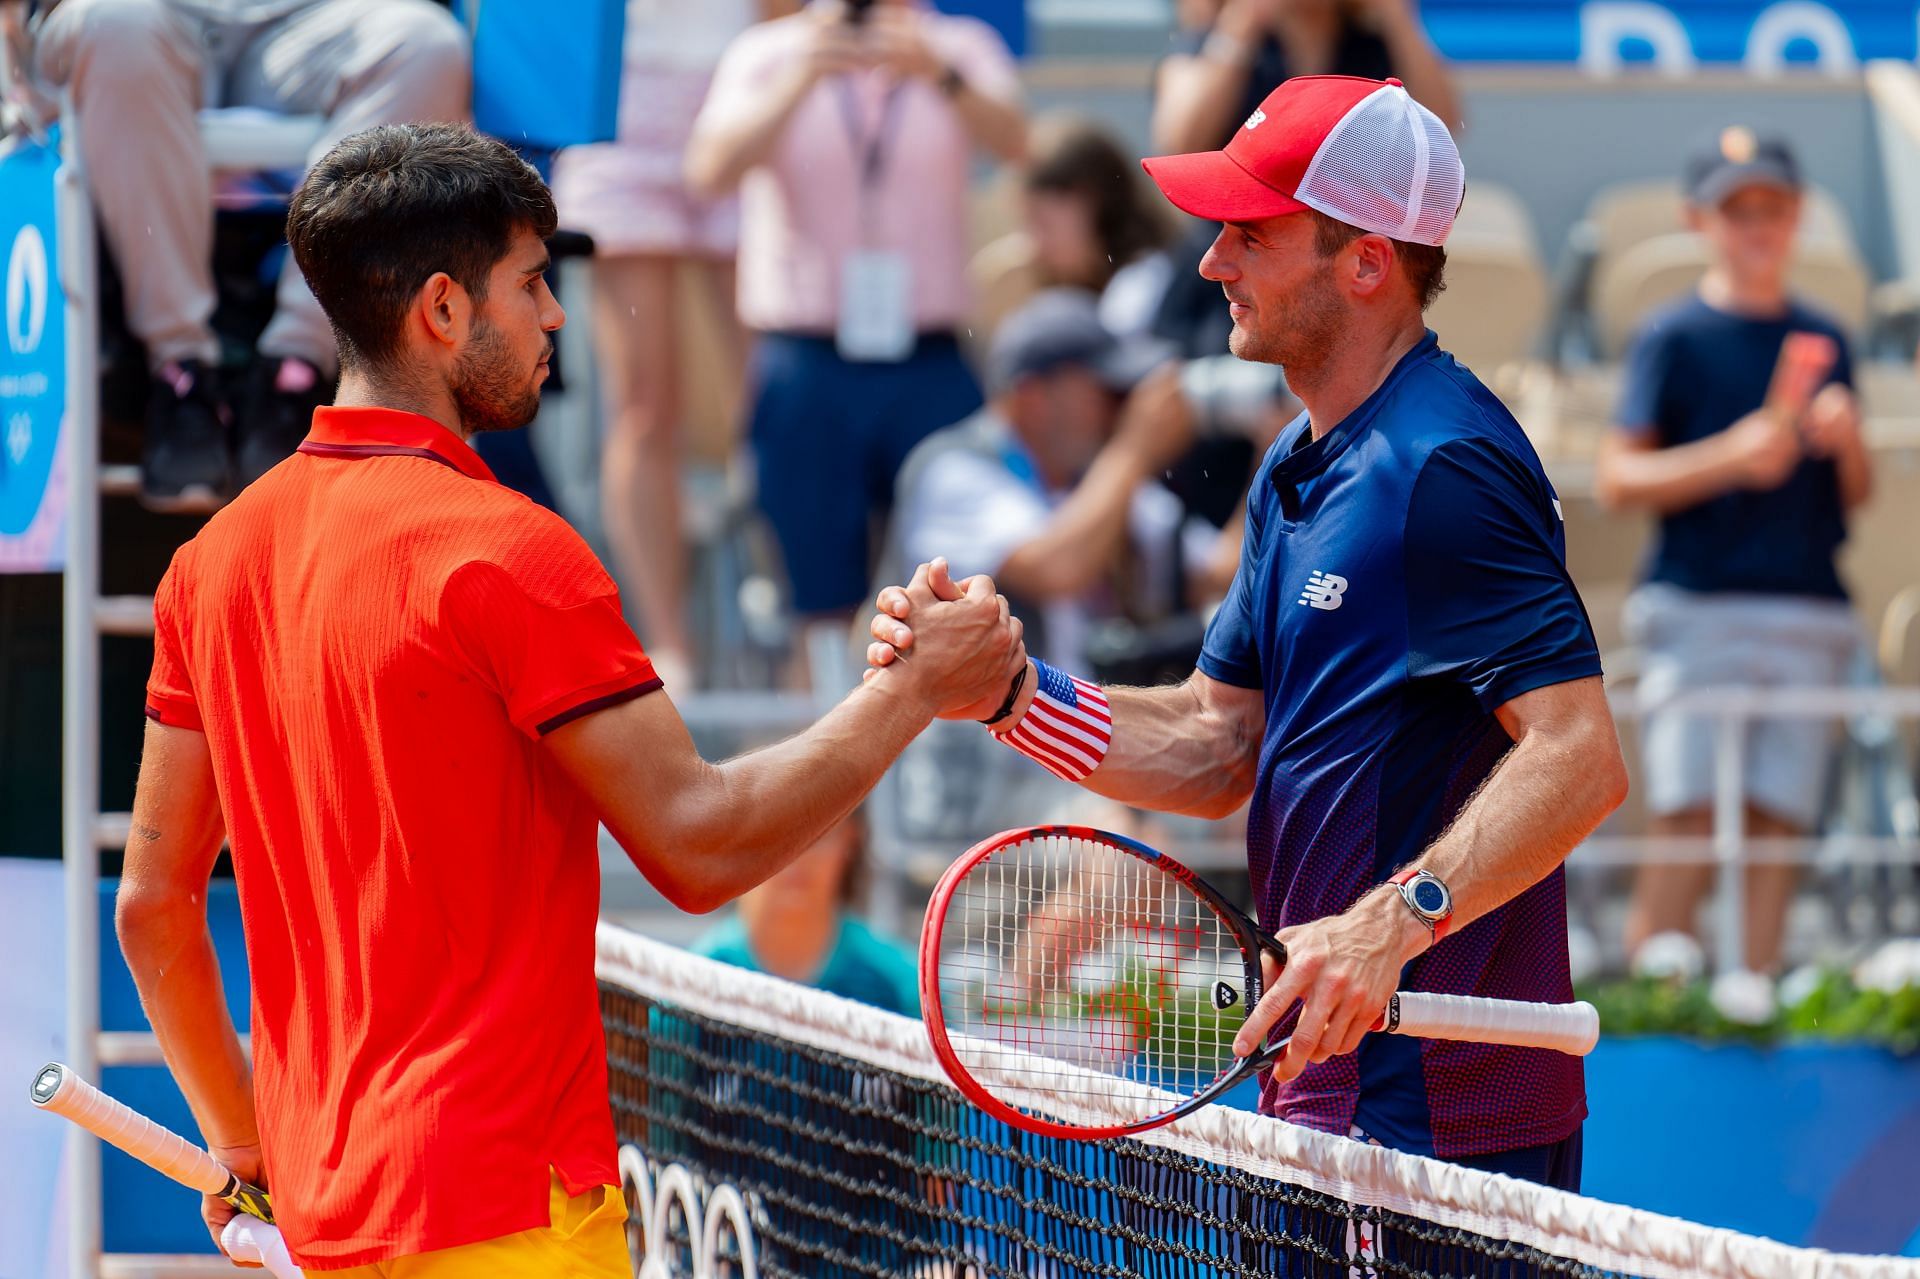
column 1724, row 181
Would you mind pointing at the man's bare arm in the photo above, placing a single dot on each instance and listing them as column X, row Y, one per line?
column 1560, row 780
column 704, row 833
column 161, row 918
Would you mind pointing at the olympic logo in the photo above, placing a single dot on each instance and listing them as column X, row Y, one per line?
column 668, row 1211
column 26, row 291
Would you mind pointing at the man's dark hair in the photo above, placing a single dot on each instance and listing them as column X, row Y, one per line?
column 388, row 207
column 1426, row 264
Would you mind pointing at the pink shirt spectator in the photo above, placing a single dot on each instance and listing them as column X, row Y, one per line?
column 800, row 213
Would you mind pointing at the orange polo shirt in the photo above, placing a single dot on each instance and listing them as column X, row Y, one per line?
column 374, row 637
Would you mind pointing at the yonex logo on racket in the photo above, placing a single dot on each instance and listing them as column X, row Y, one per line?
column 1224, row 996
column 1324, row 590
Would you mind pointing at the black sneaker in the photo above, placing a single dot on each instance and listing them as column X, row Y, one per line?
column 282, row 394
column 183, row 459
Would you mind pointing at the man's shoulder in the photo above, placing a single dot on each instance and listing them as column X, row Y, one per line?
column 1442, row 403
column 1684, row 318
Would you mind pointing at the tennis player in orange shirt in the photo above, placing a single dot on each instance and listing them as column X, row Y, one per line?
column 404, row 695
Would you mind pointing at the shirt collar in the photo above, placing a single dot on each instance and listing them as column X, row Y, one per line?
column 1304, row 457
column 376, row 432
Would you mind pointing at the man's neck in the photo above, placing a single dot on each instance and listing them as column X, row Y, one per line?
column 1762, row 298
column 360, row 389
column 1353, row 370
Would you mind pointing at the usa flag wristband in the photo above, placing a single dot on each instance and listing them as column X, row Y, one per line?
column 1068, row 725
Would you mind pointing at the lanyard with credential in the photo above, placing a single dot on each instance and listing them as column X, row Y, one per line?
column 869, row 149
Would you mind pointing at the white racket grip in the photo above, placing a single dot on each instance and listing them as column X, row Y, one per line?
column 1569, row 1028
column 251, row 1239
column 58, row 1089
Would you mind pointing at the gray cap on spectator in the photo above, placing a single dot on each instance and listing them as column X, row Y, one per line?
column 1738, row 158
column 1061, row 327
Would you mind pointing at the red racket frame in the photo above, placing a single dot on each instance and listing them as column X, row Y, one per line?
column 1252, row 943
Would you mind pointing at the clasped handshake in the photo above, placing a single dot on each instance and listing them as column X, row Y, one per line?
column 954, row 646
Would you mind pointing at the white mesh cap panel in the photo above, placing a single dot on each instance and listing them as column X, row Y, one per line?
column 1390, row 167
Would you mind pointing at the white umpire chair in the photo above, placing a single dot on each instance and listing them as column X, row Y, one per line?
column 235, row 141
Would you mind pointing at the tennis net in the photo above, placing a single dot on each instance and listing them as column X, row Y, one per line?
column 771, row 1130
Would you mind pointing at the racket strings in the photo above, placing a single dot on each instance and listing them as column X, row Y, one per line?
column 1070, row 963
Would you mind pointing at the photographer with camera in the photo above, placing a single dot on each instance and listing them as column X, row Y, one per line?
column 850, row 129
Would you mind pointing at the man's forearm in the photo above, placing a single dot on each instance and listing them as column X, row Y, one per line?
column 171, row 955
column 1663, row 480
column 797, row 790
column 1175, row 749
column 999, row 126
column 1854, row 466
column 1548, row 794
column 705, row 833
column 1197, row 97
column 718, row 158
column 1082, row 536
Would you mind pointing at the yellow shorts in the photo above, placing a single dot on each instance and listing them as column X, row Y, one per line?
column 587, row 1240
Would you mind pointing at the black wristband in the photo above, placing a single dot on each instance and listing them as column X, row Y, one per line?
column 1013, row 695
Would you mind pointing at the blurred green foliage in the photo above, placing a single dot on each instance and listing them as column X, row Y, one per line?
column 1831, row 1010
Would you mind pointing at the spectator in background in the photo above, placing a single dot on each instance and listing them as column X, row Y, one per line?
column 1090, row 222
column 1222, row 69
column 802, row 925
column 138, row 71
column 1052, row 488
column 1739, row 429
column 631, row 196
column 851, row 130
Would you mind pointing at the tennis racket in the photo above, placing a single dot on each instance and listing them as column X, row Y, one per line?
column 1077, row 983
column 250, row 1236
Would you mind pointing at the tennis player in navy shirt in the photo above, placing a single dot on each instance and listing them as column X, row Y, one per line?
column 1402, row 679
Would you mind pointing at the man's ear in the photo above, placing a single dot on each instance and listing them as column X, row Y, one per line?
column 444, row 310
column 1370, row 264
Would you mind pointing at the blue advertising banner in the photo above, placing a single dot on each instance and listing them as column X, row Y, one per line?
column 1606, row 36
column 546, row 75
column 33, row 363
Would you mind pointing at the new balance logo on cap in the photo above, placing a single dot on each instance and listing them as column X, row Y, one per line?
column 1324, row 590
column 1257, row 119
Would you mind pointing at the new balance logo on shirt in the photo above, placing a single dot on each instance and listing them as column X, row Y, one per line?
column 1324, row 590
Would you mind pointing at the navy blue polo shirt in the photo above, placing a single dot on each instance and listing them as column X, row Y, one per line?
column 1403, row 576
column 1693, row 371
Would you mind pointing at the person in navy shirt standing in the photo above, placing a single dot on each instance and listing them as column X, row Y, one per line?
column 1738, row 428
column 1402, row 678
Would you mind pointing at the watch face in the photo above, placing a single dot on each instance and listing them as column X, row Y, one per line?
column 1429, row 897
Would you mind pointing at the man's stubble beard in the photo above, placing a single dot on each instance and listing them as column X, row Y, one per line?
column 1307, row 329
column 486, row 390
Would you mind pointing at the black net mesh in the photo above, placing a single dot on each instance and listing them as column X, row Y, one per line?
column 846, row 1169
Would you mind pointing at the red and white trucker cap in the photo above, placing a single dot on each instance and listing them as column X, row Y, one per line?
column 1360, row 151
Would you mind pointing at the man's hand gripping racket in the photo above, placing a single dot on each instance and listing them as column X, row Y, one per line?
column 250, row 1238
column 1078, row 983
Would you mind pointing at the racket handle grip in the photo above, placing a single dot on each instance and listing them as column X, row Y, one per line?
column 1569, row 1028
column 58, row 1089
column 251, row 1239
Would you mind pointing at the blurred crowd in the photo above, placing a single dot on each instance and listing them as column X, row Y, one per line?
column 1053, row 405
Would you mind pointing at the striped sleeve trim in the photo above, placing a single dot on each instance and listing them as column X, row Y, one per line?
column 1068, row 726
